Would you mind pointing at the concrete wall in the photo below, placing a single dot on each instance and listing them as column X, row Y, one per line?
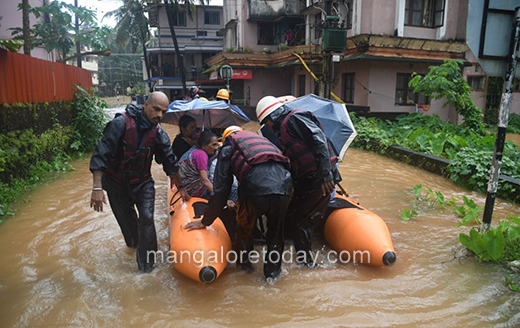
column 265, row 82
column 378, row 17
column 376, row 83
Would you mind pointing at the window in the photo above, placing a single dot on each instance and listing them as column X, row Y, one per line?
column 301, row 85
column 424, row 13
column 348, row 87
column 404, row 94
column 266, row 33
column 179, row 19
column 202, row 33
column 438, row 13
column 212, row 18
column 477, row 82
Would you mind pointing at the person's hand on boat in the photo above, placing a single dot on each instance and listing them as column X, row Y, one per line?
column 194, row 225
column 327, row 187
column 97, row 199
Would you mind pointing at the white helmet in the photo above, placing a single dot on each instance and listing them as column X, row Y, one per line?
column 266, row 106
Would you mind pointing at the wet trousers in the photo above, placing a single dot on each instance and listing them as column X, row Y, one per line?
column 248, row 210
column 138, row 229
column 306, row 212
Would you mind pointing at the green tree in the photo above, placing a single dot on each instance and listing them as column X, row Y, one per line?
column 123, row 67
column 446, row 82
column 56, row 30
column 132, row 27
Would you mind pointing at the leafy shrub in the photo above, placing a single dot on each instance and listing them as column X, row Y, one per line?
column 446, row 82
column 88, row 120
column 139, row 89
column 470, row 152
column 513, row 125
column 27, row 157
column 21, row 150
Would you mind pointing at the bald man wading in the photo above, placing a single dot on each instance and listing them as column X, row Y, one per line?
column 121, row 166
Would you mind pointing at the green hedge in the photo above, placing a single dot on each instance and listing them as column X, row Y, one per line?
column 27, row 155
column 470, row 153
column 38, row 117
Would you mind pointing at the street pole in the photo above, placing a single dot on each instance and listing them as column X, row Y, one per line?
column 503, row 117
column 78, row 46
column 327, row 75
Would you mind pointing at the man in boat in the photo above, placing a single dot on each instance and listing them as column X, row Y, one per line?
column 121, row 166
column 303, row 141
column 264, row 187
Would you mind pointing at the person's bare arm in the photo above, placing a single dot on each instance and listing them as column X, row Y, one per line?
column 205, row 180
column 97, row 198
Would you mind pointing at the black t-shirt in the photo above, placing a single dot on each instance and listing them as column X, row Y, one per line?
column 180, row 146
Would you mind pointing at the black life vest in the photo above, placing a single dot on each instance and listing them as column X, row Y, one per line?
column 250, row 149
column 132, row 164
column 303, row 161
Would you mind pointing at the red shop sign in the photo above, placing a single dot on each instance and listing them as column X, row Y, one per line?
column 242, row 74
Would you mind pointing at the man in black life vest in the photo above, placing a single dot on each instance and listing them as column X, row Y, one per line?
column 121, row 166
column 264, row 187
column 302, row 139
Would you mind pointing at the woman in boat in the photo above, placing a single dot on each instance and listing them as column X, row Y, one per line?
column 185, row 139
column 193, row 166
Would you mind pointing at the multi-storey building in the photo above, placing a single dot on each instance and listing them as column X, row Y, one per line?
column 198, row 38
column 386, row 41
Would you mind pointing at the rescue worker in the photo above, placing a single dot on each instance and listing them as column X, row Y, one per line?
column 121, row 166
column 223, row 95
column 194, row 92
column 264, row 187
column 312, row 166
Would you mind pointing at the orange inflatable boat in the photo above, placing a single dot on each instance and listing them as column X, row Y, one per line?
column 358, row 234
column 199, row 254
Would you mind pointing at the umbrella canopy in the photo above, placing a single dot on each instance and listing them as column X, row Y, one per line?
column 333, row 117
column 210, row 114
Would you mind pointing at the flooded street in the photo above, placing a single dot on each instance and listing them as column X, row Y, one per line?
column 65, row 265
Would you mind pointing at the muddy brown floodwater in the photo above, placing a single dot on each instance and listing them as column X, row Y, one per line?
column 63, row 265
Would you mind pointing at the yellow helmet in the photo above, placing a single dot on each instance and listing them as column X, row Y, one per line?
column 223, row 94
column 230, row 130
column 203, row 98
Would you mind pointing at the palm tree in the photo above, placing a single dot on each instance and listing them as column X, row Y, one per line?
column 26, row 25
column 132, row 26
column 172, row 8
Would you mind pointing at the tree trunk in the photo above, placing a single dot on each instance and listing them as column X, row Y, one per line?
column 180, row 61
column 26, row 26
column 146, row 61
column 147, row 67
